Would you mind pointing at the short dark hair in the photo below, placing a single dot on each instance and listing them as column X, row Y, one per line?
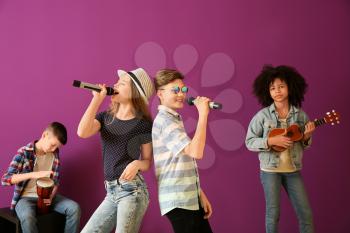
column 296, row 83
column 165, row 76
column 59, row 130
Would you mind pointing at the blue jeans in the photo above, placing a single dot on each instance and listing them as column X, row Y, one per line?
column 294, row 186
column 26, row 212
column 124, row 207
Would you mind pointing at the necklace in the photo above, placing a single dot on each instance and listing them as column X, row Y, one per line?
column 282, row 113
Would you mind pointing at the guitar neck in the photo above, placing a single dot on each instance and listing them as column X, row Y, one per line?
column 318, row 122
column 330, row 118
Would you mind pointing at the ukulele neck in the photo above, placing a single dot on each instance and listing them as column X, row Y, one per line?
column 317, row 122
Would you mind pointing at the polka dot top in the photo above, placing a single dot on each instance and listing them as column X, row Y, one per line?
column 121, row 142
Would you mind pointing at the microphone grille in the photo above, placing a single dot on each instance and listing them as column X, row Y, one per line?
column 76, row 83
column 190, row 100
column 110, row 90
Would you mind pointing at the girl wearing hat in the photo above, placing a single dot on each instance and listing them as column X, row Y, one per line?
column 125, row 130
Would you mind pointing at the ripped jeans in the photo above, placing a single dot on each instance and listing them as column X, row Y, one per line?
column 124, row 207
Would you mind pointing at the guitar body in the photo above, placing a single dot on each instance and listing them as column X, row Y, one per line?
column 293, row 132
column 296, row 134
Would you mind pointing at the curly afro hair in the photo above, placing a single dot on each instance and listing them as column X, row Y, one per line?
column 296, row 83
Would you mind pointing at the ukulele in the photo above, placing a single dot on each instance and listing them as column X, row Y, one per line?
column 296, row 133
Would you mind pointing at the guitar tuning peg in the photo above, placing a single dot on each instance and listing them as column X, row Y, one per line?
column 328, row 113
column 332, row 123
column 333, row 110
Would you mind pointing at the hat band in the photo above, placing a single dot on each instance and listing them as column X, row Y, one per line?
column 134, row 78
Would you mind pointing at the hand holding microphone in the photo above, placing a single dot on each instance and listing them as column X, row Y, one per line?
column 199, row 100
column 100, row 95
column 201, row 103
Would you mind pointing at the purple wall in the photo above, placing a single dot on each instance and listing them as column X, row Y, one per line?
column 220, row 46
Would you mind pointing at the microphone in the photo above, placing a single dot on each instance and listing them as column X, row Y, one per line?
column 212, row 105
column 80, row 84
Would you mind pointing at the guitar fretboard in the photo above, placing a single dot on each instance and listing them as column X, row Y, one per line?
column 319, row 122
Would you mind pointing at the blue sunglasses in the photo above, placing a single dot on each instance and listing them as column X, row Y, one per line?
column 177, row 89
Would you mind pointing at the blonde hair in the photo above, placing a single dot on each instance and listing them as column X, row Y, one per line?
column 139, row 104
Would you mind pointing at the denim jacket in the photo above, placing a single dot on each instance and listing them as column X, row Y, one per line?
column 260, row 126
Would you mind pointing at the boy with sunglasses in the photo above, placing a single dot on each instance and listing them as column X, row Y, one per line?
column 180, row 196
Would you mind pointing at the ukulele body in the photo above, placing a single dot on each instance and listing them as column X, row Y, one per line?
column 293, row 132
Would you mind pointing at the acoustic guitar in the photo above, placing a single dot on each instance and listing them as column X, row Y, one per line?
column 296, row 133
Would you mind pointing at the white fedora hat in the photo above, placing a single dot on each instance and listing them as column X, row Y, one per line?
column 141, row 80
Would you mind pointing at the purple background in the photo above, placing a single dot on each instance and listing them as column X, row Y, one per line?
column 45, row 45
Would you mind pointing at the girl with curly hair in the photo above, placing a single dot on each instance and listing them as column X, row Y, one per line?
column 280, row 90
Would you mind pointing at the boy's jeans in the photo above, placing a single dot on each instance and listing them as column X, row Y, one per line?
column 124, row 206
column 294, row 186
column 26, row 212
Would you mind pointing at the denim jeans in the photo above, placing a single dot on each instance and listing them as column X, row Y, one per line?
column 294, row 186
column 124, row 207
column 26, row 212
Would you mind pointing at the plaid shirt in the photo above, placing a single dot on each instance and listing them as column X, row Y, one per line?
column 23, row 162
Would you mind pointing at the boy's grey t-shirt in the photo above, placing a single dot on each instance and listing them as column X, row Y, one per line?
column 121, row 142
column 42, row 163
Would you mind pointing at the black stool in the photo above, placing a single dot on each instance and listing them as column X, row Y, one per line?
column 52, row 222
